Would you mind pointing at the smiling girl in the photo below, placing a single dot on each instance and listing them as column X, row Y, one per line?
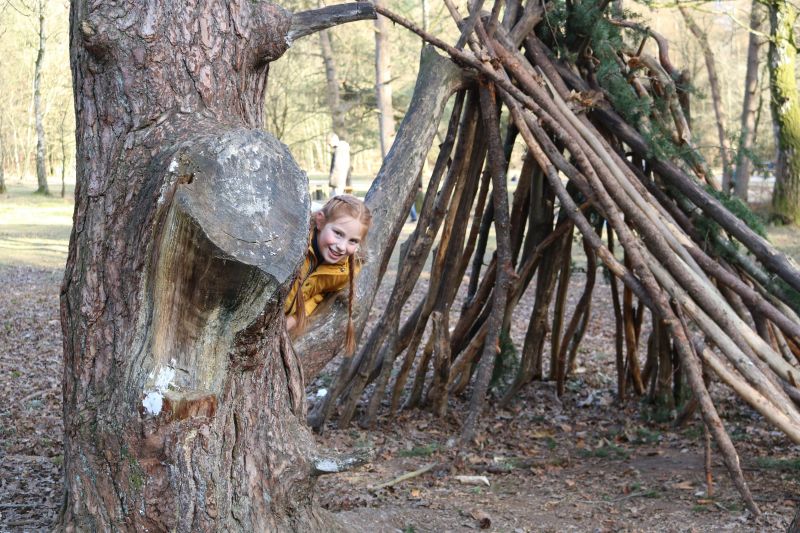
column 332, row 262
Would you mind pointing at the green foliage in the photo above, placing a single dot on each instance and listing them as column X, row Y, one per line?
column 136, row 475
column 787, row 293
column 420, row 451
column 736, row 206
column 607, row 451
column 711, row 232
column 646, row 436
column 693, row 432
column 575, row 28
column 659, row 414
column 571, row 28
column 772, row 463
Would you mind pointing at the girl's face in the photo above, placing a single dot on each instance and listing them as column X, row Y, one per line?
column 338, row 238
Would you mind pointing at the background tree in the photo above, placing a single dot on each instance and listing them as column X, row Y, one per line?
column 332, row 84
column 18, row 57
column 750, row 104
column 383, row 80
column 41, row 141
column 785, row 105
column 62, row 137
column 716, row 97
column 3, row 188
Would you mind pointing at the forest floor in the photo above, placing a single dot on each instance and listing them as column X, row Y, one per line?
column 579, row 463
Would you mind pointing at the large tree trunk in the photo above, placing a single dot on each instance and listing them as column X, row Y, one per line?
column 741, row 179
column 383, row 88
column 785, row 110
column 41, row 143
column 183, row 398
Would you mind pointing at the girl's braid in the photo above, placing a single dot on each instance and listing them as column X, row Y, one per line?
column 350, row 336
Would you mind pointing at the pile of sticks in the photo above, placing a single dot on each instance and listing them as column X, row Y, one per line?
column 723, row 301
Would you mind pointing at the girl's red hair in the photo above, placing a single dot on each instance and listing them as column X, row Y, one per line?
column 337, row 207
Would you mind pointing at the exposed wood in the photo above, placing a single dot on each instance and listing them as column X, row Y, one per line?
column 584, row 156
column 504, row 269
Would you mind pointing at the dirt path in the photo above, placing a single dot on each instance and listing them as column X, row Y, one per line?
column 579, row 464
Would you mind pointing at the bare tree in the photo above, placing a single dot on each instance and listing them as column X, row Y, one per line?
column 41, row 141
column 716, row 98
column 383, row 77
column 332, row 84
column 62, row 137
column 750, row 104
column 3, row 188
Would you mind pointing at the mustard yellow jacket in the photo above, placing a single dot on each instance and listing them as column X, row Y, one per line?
column 318, row 280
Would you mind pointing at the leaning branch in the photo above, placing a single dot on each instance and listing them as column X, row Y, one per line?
column 314, row 20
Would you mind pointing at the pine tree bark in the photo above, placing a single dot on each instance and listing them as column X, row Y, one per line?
column 785, row 110
column 41, row 142
column 183, row 398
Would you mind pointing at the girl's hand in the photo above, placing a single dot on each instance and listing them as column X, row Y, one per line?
column 290, row 323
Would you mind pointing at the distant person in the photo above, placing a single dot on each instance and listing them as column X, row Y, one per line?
column 332, row 262
column 413, row 214
column 340, row 164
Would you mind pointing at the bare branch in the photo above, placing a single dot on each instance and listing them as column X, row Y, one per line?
column 314, row 20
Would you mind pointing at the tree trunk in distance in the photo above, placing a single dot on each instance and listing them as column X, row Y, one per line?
column 332, row 84
column 183, row 398
column 437, row 80
column 744, row 164
column 785, row 110
column 41, row 171
column 716, row 98
column 3, row 188
column 383, row 77
column 61, row 135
